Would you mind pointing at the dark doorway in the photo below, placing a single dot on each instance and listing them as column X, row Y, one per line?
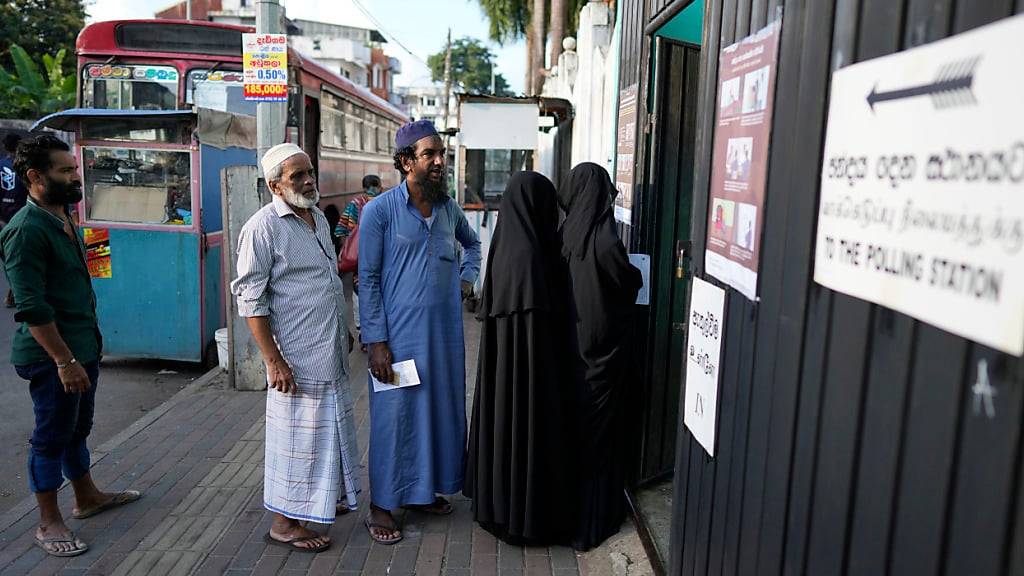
column 667, row 218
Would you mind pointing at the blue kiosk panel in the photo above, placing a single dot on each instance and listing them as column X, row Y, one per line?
column 148, row 308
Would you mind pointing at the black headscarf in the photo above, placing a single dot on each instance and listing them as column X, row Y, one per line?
column 604, row 283
column 586, row 197
column 523, row 259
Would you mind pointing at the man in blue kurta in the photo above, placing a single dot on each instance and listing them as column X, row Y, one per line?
column 409, row 288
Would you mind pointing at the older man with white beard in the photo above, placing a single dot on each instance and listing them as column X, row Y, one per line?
column 289, row 290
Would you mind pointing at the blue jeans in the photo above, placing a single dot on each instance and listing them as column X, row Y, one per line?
column 63, row 422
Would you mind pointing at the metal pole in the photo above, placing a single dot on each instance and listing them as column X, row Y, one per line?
column 188, row 9
column 447, row 77
column 270, row 116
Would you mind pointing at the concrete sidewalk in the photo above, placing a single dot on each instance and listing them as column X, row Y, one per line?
column 198, row 459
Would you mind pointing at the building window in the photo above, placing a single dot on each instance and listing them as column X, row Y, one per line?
column 316, row 45
column 376, row 76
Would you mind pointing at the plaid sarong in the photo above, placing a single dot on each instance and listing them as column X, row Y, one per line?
column 311, row 456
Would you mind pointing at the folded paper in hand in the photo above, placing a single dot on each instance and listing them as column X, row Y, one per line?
column 405, row 376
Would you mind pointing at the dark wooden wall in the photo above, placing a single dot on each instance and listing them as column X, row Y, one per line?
column 848, row 442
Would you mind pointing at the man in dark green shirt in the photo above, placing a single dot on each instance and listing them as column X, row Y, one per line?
column 57, row 347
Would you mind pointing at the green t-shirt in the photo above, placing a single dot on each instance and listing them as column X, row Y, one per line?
column 49, row 278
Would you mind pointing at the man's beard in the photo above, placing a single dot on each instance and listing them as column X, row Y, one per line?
column 62, row 193
column 435, row 192
column 299, row 200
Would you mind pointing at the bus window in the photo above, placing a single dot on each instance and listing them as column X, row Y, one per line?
column 219, row 90
column 332, row 121
column 353, row 128
column 124, row 87
column 137, row 186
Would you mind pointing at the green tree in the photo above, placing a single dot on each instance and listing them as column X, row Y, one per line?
column 512, row 20
column 472, row 63
column 41, row 27
column 27, row 94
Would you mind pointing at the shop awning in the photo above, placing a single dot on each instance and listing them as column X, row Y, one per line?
column 67, row 120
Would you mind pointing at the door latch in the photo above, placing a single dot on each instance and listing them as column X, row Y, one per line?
column 682, row 257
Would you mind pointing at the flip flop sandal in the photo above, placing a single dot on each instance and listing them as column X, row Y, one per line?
column 80, row 547
column 340, row 509
column 380, row 539
column 293, row 543
column 440, row 507
column 126, row 497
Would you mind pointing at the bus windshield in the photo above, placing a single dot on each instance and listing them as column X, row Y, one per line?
column 129, row 87
column 219, row 90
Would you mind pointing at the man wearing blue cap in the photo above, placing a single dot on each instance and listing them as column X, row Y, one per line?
column 409, row 288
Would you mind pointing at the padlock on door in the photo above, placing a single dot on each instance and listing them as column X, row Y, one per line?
column 682, row 258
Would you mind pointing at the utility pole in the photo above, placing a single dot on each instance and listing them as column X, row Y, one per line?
column 447, row 77
column 270, row 116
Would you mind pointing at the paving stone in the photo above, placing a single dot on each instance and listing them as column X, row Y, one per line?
column 405, row 556
column 563, row 558
column 322, row 565
column 459, row 554
column 214, row 565
column 230, row 543
column 509, row 557
column 483, row 541
column 538, row 565
column 299, row 561
column 268, row 565
column 248, row 555
column 106, row 563
column 353, row 558
column 484, row 565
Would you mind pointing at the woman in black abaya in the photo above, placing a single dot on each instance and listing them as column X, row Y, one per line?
column 519, row 468
column 603, row 286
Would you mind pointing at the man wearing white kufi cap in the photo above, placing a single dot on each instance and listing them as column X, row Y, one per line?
column 288, row 288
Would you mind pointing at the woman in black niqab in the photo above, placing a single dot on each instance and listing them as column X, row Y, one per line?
column 520, row 470
column 603, row 286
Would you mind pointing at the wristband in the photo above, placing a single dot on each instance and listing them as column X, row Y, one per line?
column 61, row 366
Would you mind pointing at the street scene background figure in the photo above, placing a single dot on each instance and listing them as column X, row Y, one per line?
column 603, row 289
column 521, row 468
column 410, row 274
column 289, row 290
column 57, row 346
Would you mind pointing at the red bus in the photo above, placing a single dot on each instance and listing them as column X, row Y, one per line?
column 347, row 130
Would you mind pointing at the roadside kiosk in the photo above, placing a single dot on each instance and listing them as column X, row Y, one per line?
column 152, row 223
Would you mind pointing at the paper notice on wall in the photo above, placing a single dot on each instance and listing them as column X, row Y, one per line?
column 265, row 67
column 922, row 205
column 97, row 252
column 739, row 174
column 642, row 262
column 703, row 351
column 625, row 154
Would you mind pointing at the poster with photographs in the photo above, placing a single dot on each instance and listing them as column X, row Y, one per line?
column 747, row 72
column 625, row 149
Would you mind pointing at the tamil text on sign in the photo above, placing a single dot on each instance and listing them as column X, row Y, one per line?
column 922, row 185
